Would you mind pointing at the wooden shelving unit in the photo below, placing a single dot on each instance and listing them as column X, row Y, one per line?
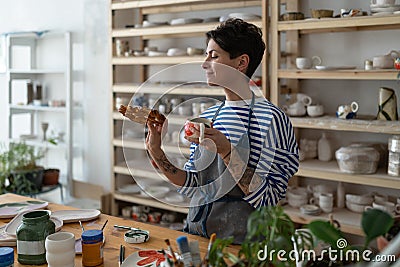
column 139, row 11
column 329, row 171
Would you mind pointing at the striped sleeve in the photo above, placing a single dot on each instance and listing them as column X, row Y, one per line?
column 278, row 163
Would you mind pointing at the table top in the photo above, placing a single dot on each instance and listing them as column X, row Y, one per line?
column 115, row 237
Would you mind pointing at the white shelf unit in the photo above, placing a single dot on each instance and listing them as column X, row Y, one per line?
column 135, row 12
column 47, row 59
column 329, row 171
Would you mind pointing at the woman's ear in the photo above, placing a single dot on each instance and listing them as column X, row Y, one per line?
column 243, row 62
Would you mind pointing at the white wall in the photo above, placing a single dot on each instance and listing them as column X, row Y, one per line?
column 88, row 22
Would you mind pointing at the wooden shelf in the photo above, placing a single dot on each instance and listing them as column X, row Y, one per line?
column 149, row 202
column 350, row 222
column 171, row 89
column 162, row 31
column 36, row 108
column 115, row 5
column 140, row 144
column 156, row 60
column 143, row 168
column 354, row 125
column 37, row 71
column 40, row 143
column 358, row 74
column 341, row 24
column 330, row 171
column 172, row 6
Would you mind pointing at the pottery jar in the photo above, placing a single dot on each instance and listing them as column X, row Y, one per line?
column 31, row 236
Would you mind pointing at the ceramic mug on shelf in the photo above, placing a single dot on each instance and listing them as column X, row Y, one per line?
column 304, row 99
column 296, row 109
column 308, row 63
column 315, row 110
column 387, row 206
column 385, row 61
column 347, row 111
column 326, row 202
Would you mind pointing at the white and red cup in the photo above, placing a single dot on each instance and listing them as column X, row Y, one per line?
column 194, row 128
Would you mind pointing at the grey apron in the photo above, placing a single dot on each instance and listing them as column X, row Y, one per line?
column 217, row 206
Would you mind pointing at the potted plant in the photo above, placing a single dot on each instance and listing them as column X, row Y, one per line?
column 268, row 228
column 374, row 223
column 51, row 176
column 19, row 167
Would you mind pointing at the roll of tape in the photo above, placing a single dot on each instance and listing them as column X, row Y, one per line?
column 136, row 236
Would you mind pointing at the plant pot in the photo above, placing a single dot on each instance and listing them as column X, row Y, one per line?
column 50, row 176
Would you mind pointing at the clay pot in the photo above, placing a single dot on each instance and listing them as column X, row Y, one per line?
column 50, row 176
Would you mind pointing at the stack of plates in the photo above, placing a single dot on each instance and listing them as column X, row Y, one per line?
column 310, row 209
column 378, row 10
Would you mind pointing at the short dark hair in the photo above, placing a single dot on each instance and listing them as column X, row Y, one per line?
column 238, row 37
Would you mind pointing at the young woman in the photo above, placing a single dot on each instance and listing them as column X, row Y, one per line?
column 250, row 151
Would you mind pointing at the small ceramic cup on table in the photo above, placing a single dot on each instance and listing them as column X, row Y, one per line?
column 60, row 249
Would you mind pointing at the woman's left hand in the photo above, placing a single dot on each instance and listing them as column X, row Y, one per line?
column 214, row 140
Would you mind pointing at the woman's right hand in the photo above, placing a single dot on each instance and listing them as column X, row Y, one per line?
column 153, row 139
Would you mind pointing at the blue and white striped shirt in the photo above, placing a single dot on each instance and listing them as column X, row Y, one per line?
column 273, row 153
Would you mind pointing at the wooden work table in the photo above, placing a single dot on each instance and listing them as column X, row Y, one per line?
column 114, row 237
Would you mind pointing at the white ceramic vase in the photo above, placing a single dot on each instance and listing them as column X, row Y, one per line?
column 324, row 148
column 60, row 249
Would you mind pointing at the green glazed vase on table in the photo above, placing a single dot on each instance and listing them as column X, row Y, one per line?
column 31, row 236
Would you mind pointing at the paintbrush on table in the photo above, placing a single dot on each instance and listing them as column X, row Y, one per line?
column 121, row 254
column 83, row 229
column 210, row 243
column 171, row 250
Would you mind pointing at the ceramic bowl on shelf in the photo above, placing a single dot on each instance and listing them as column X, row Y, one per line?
column 157, row 53
column 192, row 51
column 355, row 207
column 321, row 13
column 357, row 159
column 147, row 23
column 292, row 16
column 244, row 16
column 176, row 52
column 181, row 21
column 359, row 199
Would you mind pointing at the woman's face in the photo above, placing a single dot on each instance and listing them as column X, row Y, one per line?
column 218, row 65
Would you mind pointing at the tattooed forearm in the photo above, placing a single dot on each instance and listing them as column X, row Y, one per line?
column 165, row 165
column 173, row 173
column 246, row 178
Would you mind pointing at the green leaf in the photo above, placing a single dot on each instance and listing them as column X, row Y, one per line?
column 375, row 223
column 326, row 232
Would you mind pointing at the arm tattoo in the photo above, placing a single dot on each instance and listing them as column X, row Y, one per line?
column 164, row 164
column 246, row 178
